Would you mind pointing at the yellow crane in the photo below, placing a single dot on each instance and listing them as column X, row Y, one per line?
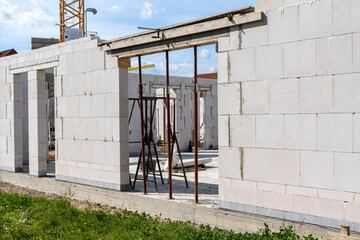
column 72, row 15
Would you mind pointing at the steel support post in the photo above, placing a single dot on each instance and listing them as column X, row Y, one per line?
column 168, row 125
column 196, row 151
column 142, row 125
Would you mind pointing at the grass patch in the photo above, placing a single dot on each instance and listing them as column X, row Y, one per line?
column 25, row 217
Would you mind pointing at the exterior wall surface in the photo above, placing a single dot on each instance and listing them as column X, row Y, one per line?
column 91, row 95
column 289, row 110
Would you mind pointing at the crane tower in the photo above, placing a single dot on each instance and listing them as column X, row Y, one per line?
column 72, row 15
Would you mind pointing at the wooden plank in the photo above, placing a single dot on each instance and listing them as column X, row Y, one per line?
column 338, row 236
column 124, row 62
column 212, row 25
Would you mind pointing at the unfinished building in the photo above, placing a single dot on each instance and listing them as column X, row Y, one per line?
column 288, row 108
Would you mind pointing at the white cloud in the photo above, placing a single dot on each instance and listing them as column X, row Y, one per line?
column 204, row 53
column 36, row 14
column 147, row 11
column 115, row 9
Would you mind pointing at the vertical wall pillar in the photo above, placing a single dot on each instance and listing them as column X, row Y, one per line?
column 15, row 145
column 124, row 128
column 37, row 123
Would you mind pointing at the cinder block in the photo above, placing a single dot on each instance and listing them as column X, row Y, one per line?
column 315, row 19
column 299, row 59
column 269, row 62
column 346, row 18
column 254, row 34
column 347, row 176
column 284, row 96
column 317, row 169
column 283, row 25
column 256, row 165
column 223, row 63
column 356, row 52
column 241, row 65
column 316, row 95
column 229, row 98
column 255, row 97
column 266, row 5
column 242, row 131
column 335, row 132
column 270, row 131
column 300, row 131
column 334, row 55
column 229, row 162
column 224, row 131
column 346, row 93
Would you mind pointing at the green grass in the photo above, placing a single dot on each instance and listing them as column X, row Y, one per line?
column 25, row 217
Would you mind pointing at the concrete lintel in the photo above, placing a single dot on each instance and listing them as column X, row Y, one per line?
column 180, row 37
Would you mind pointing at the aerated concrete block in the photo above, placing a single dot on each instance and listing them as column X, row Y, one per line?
column 229, row 98
column 283, row 25
column 299, row 59
column 242, row 131
column 352, row 212
column 254, row 34
column 300, row 131
column 270, row 131
column 346, row 175
column 255, row 97
column 241, row 65
column 317, row 169
column 346, row 16
column 316, row 94
column 266, row 5
column 346, row 93
column 229, row 162
column 315, row 19
column 334, row 55
column 356, row 132
column 224, row 131
column 335, row 132
column 223, row 67
column 356, row 52
column 256, row 165
column 269, row 62
column 284, row 167
column 284, row 96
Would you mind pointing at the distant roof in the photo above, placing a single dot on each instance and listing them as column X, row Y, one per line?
column 7, row 53
column 208, row 75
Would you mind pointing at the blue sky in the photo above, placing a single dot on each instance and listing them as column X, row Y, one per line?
column 22, row 19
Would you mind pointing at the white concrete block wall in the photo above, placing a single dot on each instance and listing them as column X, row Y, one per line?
column 93, row 145
column 294, row 138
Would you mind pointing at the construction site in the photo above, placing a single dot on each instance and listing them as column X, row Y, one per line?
column 272, row 137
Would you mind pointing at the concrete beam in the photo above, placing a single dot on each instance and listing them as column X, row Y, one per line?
column 179, row 36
